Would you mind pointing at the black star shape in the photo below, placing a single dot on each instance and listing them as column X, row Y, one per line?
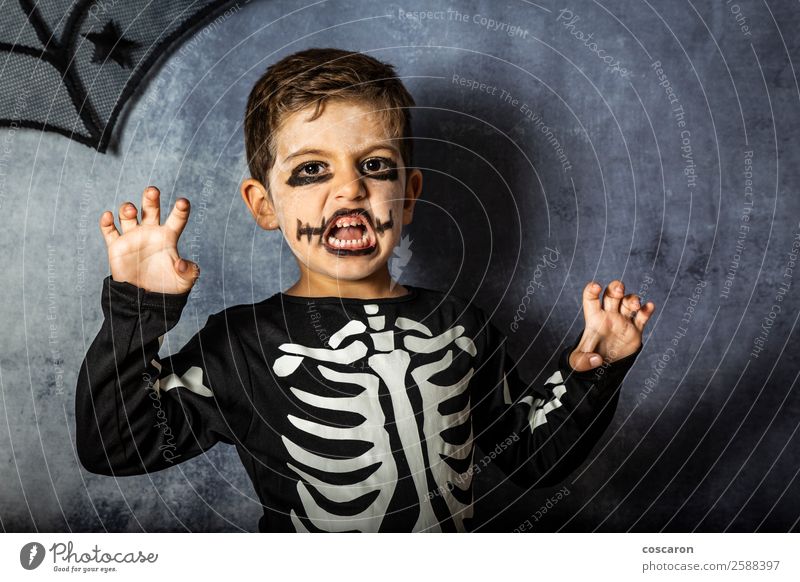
column 109, row 43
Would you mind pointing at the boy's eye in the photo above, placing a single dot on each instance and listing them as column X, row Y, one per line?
column 374, row 165
column 310, row 169
column 379, row 168
column 308, row 173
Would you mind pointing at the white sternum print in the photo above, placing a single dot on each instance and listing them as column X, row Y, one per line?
column 449, row 452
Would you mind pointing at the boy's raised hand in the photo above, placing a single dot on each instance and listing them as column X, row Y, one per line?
column 146, row 253
column 613, row 326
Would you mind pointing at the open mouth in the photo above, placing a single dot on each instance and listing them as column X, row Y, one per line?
column 349, row 232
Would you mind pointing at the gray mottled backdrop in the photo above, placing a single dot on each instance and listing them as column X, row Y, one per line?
column 652, row 141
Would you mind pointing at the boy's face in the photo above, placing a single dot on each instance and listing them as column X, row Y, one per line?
column 342, row 168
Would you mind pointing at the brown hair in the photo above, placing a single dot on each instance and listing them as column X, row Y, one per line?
column 311, row 77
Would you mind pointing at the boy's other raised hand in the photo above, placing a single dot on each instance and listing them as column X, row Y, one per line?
column 146, row 253
column 613, row 326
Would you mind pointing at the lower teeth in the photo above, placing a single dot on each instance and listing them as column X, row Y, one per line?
column 341, row 244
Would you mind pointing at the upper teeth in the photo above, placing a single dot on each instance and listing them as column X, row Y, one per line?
column 342, row 222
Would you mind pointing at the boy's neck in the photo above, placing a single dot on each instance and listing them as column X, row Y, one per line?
column 376, row 286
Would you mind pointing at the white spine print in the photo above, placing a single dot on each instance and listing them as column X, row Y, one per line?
column 391, row 365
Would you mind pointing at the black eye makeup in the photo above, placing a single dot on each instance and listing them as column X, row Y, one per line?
column 379, row 168
column 313, row 172
column 308, row 173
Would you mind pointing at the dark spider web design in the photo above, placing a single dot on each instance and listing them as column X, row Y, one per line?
column 72, row 65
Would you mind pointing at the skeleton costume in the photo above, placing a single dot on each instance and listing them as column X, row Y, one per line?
column 348, row 414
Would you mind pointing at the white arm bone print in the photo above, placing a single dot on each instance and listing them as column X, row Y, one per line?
column 446, row 425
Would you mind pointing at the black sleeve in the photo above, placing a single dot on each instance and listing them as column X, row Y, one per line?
column 136, row 413
column 539, row 433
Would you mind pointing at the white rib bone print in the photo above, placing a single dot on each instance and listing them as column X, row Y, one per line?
column 390, row 364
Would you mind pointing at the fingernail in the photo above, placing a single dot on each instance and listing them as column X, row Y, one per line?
column 182, row 266
column 595, row 360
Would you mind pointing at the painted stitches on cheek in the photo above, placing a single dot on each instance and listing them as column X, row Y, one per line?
column 381, row 226
column 310, row 230
column 347, row 245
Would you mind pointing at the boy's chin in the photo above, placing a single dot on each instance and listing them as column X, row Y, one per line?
column 348, row 268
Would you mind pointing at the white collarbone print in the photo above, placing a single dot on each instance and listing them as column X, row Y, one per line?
column 405, row 423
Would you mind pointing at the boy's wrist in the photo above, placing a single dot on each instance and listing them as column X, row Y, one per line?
column 604, row 371
column 130, row 293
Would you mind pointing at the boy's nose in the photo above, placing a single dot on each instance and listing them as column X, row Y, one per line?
column 350, row 186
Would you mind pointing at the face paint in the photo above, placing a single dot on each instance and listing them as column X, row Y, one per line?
column 300, row 176
column 327, row 226
column 380, row 227
column 388, row 174
column 310, row 230
column 343, row 159
column 297, row 179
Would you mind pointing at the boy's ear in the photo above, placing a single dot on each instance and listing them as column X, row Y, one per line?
column 259, row 203
column 413, row 190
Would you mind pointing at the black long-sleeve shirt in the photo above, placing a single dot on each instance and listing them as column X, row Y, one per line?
column 348, row 414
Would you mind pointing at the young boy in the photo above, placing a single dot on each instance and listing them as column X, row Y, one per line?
column 354, row 402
